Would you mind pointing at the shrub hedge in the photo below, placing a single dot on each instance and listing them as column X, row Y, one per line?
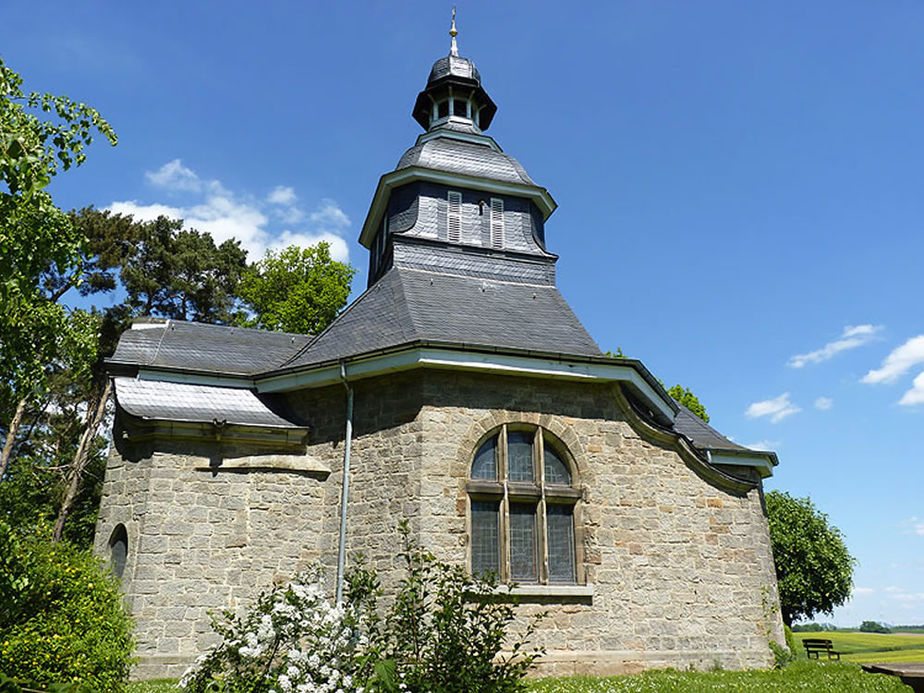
column 62, row 620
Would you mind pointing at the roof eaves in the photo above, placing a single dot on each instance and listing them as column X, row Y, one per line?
column 636, row 365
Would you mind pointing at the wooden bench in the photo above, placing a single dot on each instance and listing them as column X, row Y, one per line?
column 815, row 646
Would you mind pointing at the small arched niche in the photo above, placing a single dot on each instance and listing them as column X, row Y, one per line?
column 118, row 549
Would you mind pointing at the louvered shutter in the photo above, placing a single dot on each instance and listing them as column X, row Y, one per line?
column 497, row 223
column 455, row 217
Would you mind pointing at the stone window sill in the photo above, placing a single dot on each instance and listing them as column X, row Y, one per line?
column 548, row 591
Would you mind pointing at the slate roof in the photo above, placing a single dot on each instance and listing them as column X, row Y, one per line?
column 205, row 348
column 702, row 434
column 467, row 158
column 163, row 401
column 408, row 305
column 453, row 65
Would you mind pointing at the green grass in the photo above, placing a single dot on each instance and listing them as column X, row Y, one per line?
column 808, row 677
column 872, row 647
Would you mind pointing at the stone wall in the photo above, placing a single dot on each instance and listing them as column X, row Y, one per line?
column 680, row 569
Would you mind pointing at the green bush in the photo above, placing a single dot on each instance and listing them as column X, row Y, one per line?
column 446, row 630
column 790, row 640
column 62, row 620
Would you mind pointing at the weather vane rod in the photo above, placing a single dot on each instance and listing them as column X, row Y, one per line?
column 454, row 49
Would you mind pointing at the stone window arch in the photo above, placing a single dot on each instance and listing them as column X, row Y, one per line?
column 118, row 549
column 524, row 513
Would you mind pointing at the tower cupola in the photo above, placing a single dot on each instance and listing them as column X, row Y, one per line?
column 454, row 97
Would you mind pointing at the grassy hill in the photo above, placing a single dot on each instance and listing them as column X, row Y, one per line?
column 872, row 647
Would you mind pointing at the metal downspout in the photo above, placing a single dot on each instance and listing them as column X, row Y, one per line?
column 348, row 437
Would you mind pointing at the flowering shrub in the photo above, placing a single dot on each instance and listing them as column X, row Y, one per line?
column 292, row 641
column 443, row 633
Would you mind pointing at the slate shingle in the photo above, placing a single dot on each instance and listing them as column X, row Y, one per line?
column 409, row 305
column 468, row 158
column 163, row 401
column 702, row 434
column 206, row 348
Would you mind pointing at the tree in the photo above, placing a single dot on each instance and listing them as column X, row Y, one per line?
column 689, row 400
column 874, row 627
column 298, row 289
column 34, row 236
column 814, row 570
column 179, row 273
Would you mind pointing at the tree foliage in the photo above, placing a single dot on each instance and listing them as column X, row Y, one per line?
column 39, row 134
column 172, row 272
column 689, row 400
column 298, row 289
column 874, row 627
column 814, row 570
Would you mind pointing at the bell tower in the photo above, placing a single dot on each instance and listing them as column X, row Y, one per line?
column 456, row 202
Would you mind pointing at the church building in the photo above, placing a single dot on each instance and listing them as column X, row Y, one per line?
column 459, row 392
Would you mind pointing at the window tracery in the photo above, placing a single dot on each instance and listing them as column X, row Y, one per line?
column 523, row 498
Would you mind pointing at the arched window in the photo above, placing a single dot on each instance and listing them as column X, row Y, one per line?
column 118, row 549
column 522, row 499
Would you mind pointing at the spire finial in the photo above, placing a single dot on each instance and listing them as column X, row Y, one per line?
column 454, row 48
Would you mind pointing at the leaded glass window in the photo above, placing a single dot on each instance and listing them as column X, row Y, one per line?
column 523, row 545
column 522, row 503
column 520, row 456
column 560, row 523
column 485, row 537
column 556, row 471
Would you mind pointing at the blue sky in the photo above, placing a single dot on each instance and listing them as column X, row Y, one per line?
column 739, row 189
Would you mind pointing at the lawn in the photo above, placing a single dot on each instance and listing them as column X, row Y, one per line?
column 802, row 676
column 807, row 677
column 872, row 647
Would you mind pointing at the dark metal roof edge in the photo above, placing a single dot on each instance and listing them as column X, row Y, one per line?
column 131, row 368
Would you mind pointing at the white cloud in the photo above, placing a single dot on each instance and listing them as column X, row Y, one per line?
column 824, row 403
column 777, row 408
column 329, row 215
column 913, row 525
column 764, row 445
column 853, row 336
column 900, row 361
column 282, row 195
column 174, row 176
column 860, row 591
column 338, row 247
column 224, row 214
column 916, row 394
column 145, row 212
